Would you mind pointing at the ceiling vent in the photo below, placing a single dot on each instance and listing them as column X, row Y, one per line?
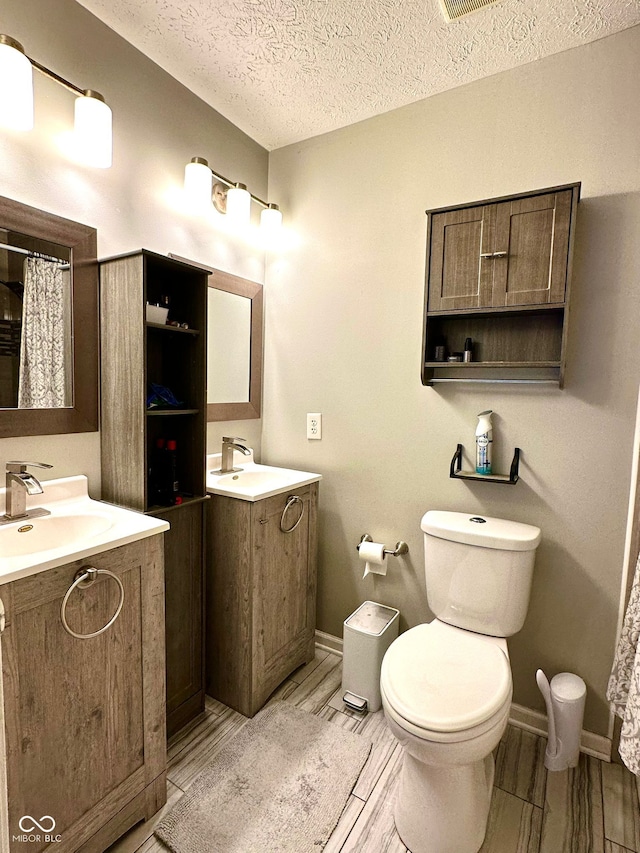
column 454, row 9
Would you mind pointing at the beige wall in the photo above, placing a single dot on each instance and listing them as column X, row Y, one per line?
column 343, row 308
column 343, row 333
column 158, row 126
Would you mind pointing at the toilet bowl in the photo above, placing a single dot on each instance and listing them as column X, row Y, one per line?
column 446, row 694
column 446, row 685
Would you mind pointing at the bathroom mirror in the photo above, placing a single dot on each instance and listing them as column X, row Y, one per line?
column 234, row 345
column 48, row 323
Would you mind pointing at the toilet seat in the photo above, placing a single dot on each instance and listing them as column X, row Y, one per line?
column 446, row 682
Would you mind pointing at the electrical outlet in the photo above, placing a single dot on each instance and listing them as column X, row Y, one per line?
column 314, row 425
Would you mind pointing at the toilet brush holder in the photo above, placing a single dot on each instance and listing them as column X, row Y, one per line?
column 564, row 697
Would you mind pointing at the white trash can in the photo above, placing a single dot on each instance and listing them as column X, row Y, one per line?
column 368, row 633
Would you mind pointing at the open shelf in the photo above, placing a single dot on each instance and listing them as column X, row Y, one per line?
column 487, row 372
column 167, row 328
column 475, row 365
column 166, row 412
column 160, row 509
column 455, row 470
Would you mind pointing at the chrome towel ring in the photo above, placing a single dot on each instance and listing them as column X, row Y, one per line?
column 291, row 500
column 84, row 578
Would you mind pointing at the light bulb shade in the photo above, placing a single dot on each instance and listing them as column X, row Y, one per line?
column 16, row 88
column 271, row 219
column 198, row 184
column 93, row 130
column 238, row 204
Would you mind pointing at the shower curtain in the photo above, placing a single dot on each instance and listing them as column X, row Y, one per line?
column 623, row 691
column 43, row 382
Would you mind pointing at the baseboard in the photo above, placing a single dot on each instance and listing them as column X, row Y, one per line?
column 329, row 643
column 533, row 721
column 521, row 717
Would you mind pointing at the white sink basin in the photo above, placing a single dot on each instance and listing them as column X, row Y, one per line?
column 30, row 536
column 77, row 527
column 254, row 482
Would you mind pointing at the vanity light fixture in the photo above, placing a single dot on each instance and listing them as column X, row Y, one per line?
column 92, row 122
column 271, row 219
column 93, row 130
column 16, row 89
column 239, row 204
column 198, row 184
column 228, row 197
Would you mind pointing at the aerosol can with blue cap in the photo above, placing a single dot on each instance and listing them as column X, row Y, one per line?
column 484, row 440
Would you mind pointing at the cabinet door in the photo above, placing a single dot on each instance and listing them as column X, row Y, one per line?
column 84, row 718
column 184, row 614
column 534, row 233
column 458, row 277
column 284, row 589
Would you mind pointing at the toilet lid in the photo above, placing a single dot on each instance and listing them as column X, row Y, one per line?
column 445, row 679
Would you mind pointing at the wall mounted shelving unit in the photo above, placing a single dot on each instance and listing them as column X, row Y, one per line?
column 499, row 272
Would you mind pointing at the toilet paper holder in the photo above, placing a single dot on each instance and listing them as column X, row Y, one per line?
column 399, row 551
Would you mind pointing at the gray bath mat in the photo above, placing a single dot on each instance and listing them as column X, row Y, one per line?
column 278, row 787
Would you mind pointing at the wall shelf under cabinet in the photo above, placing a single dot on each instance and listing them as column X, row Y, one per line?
column 456, row 472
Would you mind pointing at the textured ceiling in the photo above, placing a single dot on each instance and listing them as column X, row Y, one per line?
column 285, row 70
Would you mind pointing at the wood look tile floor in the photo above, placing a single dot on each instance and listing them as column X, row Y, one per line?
column 590, row 809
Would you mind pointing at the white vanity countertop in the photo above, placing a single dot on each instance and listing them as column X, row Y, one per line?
column 77, row 527
column 253, row 482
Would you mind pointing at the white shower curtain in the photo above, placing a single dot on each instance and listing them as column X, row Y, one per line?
column 43, row 382
column 623, row 691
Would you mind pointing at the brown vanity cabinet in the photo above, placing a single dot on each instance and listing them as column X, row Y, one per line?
column 135, row 353
column 85, row 718
column 498, row 272
column 184, row 576
column 261, row 594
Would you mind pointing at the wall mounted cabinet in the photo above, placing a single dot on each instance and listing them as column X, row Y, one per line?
column 499, row 272
column 136, row 353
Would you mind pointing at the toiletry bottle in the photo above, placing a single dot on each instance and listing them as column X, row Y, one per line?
column 484, row 439
column 468, row 353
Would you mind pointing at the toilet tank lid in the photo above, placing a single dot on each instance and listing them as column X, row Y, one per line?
column 481, row 530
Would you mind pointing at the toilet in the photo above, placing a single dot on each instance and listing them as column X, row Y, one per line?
column 446, row 685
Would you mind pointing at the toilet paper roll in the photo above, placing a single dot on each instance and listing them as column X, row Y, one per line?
column 374, row 558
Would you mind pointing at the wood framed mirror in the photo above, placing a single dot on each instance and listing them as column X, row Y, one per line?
column 234, row 345
column 27, row 233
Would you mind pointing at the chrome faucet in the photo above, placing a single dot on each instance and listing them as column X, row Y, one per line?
column 228, row 446
column 20, row 484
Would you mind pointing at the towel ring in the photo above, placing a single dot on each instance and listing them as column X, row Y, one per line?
column 84, row 578
column 291, row 500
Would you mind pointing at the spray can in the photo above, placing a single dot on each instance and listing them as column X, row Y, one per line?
column 484, row 439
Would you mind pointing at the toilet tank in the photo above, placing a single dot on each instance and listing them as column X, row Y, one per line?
column 478, row 570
